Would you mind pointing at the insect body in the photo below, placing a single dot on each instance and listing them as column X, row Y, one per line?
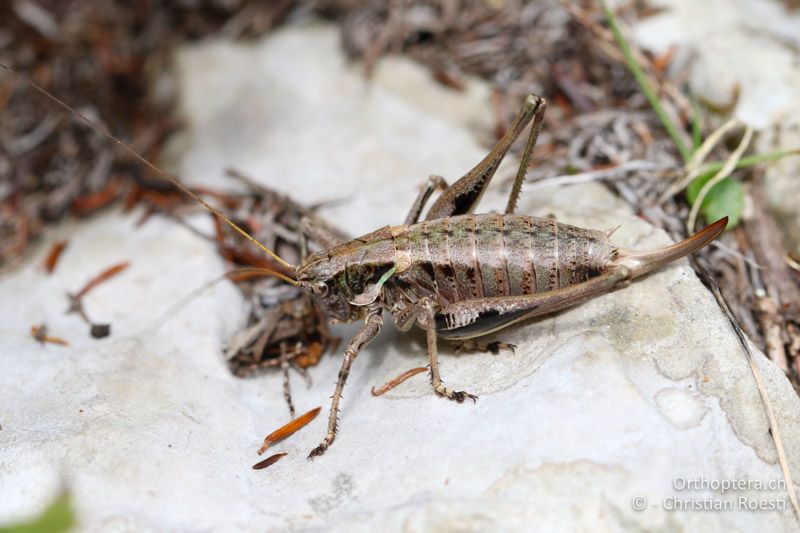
column 458, row 258
column 460, row 276
column 456, row 275
column 465, row 276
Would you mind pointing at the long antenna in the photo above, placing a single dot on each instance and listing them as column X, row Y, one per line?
column 147, row 163
column 231, row 275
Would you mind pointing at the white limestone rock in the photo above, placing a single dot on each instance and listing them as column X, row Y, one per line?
column 602, row 405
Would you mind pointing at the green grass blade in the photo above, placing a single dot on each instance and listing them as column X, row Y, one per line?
column 750, row 160
column 697, row 131
column 644, row 84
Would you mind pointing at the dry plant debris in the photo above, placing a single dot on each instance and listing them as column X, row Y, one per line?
column 269, row 461
column 285, row 327
column 289, row 429
column 41, row 335
column 51, row 259
column 98, row 331
column 389, row 385
column 108, row 59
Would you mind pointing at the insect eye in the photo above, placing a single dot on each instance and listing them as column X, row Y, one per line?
column 321, row 289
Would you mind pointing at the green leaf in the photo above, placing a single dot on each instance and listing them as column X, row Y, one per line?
column 725, row 199
column 58, row 517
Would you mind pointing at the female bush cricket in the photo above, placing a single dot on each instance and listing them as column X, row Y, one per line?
column 454, row 274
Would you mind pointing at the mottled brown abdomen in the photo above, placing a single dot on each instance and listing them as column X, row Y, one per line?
column 475, row 256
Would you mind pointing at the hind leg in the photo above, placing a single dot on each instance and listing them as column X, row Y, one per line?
column 479, row 346
column 464, row 194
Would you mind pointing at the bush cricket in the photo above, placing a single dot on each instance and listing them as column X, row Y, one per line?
column 454, row 274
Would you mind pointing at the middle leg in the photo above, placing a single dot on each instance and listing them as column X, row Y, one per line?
column 429, row 321
column 320, row 232
column 434, row 182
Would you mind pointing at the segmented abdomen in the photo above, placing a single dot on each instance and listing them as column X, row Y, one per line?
column 475, row 256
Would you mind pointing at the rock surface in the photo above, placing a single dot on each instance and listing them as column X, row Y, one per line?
column 612, row 405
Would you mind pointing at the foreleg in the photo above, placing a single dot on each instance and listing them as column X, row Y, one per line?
column 285, row 360
column 370, row 329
